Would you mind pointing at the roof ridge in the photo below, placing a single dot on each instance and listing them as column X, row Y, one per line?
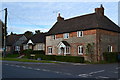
column 80, row 16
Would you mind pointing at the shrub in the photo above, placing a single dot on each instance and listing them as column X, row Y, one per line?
column 27, row 52
column 39, row 52
column 12, row 55
column 76, row 59
column 110, row 56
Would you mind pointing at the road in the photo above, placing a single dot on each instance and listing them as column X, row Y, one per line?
column 12, row 69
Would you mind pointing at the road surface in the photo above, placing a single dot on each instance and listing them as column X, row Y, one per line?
column 13, row 69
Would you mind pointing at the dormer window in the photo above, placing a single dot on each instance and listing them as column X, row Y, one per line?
column 79, row 33
column 66, row 35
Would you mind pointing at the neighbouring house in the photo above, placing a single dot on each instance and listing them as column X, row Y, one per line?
column 36, row 42
column 14, row 43
column 92, row 33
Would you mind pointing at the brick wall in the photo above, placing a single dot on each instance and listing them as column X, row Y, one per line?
column 89, row 36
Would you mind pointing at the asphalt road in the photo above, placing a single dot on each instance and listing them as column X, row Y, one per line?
column 11, row 69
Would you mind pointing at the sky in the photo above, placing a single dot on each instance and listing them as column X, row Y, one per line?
column 31, row 16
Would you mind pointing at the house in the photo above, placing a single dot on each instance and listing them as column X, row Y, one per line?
column 36, row 42
column 76, row 35
column 14, row 42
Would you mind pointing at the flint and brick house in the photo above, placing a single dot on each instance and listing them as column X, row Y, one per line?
column 72, row 36
column 36, row 42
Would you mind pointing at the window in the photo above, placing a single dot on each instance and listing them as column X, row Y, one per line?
column 67, row 49
column 17, row 48
column 39, row 47
column 49, row 50
column 53, row 37
column 79, row 33
column 66, row 35
column 109, row 48
column 25, row 47
column 80, row 49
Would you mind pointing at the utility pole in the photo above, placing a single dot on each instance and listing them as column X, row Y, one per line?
column 5, row 32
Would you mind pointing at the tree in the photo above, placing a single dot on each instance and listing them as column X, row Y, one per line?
column 37, row 31
column 28, row 33
column 11, row 33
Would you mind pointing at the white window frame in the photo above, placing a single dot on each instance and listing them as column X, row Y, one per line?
column 17, row 48
column 80, row 50
column 66, row 35
column 25, row 47
column 67, row 50
column 50, row 50
column 110, row 48
column 39, row 47
column 79, row 33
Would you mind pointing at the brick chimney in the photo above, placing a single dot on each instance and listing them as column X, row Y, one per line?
column 59, row 18
column 100, row 11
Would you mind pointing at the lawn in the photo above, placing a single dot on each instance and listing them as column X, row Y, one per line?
column 27, row 60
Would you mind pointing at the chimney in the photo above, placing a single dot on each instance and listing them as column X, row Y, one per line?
column 59, row 18
column 100, row 11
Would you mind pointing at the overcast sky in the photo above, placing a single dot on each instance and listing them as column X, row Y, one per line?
column 31, row 16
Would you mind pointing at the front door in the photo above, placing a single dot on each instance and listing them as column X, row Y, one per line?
column 62, row 50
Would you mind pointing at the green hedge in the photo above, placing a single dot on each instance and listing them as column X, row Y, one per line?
column 27, row 52
column 110, row 56
column 12, row 55
column 41, row 54
column 76, row 59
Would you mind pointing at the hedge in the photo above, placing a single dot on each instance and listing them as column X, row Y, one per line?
column 76, row 59
column 111, row 56
column 41, row 54
column 38, row 52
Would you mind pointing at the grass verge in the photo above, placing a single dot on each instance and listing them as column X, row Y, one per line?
column 27, row 60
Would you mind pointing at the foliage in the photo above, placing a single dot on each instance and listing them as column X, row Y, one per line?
column 42, row 56
column 111, row 57
column 61, row 58
column 39, row 52
column 90, row 51
column 12, row 55
column 37, row 31
column 27, row 52
column 28, row 33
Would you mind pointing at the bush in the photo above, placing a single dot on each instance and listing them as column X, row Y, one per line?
column 12, row 55
column 76, row 59
column 39, row 52
column 15, row 52
column 111, row 57
column 27, row 52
